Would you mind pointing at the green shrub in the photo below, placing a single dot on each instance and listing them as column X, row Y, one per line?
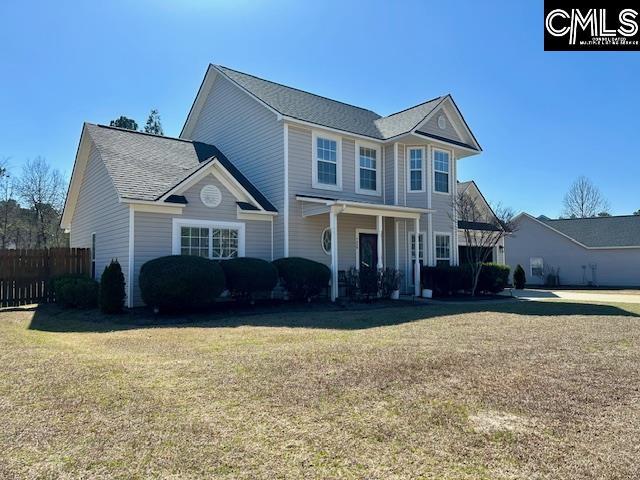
column 391, row 281
column 75, row 291
column 445, row 280
column 301, row 277
column 370, row 282
column 181, row 282
column 112, row 288
column 247, row 276
column 519, row 278
column 493, row 278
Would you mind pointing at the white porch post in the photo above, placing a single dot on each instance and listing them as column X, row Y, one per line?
column 333, row 225
column 416, row 268
column 379, row 243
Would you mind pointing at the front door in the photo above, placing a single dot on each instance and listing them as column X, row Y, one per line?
column 368, row 248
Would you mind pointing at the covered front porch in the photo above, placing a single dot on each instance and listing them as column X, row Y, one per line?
column 362, row 235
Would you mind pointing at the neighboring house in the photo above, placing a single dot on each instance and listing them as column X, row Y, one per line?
column 269, row 171
column 600, row 251
column 496, row 255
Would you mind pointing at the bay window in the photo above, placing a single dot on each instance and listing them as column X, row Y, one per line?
column 441, row 168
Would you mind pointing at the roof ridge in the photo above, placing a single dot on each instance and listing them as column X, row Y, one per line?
column 415, row 106
column 594, row 218
column 110, row 127
column 300, row 90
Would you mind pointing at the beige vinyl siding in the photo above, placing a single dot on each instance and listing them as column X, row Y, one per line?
column 154, row 231
column 251, row 137
column 99, row 210
column 614, row 267
column 402, row 177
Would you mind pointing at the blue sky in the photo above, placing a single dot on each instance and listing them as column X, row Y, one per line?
column 543, row 118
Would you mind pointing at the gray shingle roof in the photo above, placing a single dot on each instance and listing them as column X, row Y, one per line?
column 320, row 110
column 145, row 167
column 621, row 231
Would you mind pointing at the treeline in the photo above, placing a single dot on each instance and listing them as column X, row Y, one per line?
column 31, row 204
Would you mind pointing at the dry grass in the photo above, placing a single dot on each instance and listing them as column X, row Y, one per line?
column 515, row 390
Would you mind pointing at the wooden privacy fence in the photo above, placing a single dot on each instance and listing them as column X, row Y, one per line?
column 25, row 275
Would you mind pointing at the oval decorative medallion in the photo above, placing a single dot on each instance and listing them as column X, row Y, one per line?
column 211, row 196
column 442, row 122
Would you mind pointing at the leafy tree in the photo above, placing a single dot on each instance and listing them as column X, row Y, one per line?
column 124, row 122
column 584, row 200
column 637, row 212
column 153, row 124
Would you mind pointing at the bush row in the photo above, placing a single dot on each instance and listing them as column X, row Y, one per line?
column 80, row 291
column 447, row 280
column 186, row 282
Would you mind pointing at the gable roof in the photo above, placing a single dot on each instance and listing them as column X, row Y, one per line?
column 308, row 107
column 598, row 232
column 145, row 167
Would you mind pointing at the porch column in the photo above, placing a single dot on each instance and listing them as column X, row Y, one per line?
column 379, row 232
column 333, row 225
column 416, row 268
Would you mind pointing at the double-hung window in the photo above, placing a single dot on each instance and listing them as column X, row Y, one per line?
column 537, row 266
column 443, row 249
column 326, row 162
column 367, row 169
column 415, row 158
column 441, row 169
column 214, row 240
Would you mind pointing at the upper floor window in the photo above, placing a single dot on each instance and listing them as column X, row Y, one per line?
column 326, row 162
column 416, row 169
column 443, row 249
column 441, row 166
column 367, row 169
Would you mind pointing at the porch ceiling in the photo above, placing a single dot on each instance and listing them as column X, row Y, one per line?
column 322, row 205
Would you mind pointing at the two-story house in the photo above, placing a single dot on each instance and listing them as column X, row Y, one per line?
column 269, row 171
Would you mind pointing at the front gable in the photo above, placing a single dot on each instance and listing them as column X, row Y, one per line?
column 446, row 122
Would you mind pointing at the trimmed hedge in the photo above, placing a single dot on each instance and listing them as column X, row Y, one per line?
column 447, row 280
column 247, row 276
column 112, row 288
column 181, row 282
column 75, row 291
column 301, row 277
column 519, row 278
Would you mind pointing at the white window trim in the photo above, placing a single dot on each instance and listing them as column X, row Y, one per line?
column 412, row 234
column 314, row 161
column 409, row 170
column 435, row 250
column 531, row 266
column 364, row 191
column 328, row 229
column 178, row 223
column 433, row 169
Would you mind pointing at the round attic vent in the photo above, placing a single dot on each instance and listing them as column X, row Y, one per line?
column 211, row 196
column 442, row 122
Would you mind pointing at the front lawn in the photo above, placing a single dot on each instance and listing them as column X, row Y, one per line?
column 504, row 390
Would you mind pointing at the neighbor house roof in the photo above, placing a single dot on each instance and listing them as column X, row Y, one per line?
column 308, row 107
column 146, row 167
column 600, row 232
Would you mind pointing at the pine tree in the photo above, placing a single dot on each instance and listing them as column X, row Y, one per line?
column 112, row 288
column 153, row 124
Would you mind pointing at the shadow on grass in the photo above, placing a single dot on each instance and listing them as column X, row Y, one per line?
column 319, row 316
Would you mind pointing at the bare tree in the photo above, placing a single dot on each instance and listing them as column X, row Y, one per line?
column 584, row 200
column 42, row 190
column 9, row 208
column 482, row 228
